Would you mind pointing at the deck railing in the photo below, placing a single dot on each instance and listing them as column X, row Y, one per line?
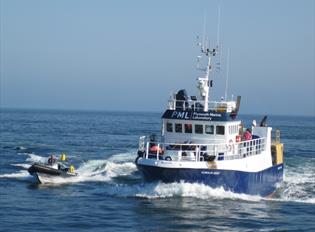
column 197, row 105
column 201, row 152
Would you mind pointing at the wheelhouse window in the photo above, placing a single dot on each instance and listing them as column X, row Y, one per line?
column 220, row 130
column 178, row 128
column 209, row 129
column 188, row 128
column 198, row 129
column 169, row 127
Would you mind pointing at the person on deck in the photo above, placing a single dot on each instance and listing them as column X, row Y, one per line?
column 247, row 135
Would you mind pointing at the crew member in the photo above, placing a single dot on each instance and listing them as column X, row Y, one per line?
column 63, row 157
column 247, row 135
column 51, row 160
column 71, row 169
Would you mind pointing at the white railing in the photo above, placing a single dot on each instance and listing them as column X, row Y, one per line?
column 201, row 152
column 221, row 106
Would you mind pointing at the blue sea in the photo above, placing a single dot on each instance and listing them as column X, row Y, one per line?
column 110, row 195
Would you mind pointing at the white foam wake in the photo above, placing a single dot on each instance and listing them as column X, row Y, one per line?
column 17, row 175
column 90, row 171
column 194, row 190
column 35, row 158
column 24, row 166
column 23, row 174
column 298, row 186
column 97, row 171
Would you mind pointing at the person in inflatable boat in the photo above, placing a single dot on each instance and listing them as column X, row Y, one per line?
column 52, row 160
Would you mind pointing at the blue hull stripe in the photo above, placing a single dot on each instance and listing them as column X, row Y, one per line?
column 261, row 183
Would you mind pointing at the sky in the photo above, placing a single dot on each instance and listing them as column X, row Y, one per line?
column 131, row 55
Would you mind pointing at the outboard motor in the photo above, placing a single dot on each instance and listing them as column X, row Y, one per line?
column 181, row 100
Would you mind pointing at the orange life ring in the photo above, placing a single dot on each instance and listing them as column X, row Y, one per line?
column 238, row 138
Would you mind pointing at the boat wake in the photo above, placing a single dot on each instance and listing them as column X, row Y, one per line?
column 120, row 175
column 89, row 171
column 299, row 184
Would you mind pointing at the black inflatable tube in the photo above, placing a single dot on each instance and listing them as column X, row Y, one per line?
column 40, row 168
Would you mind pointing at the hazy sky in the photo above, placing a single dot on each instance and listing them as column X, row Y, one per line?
column 130, row 55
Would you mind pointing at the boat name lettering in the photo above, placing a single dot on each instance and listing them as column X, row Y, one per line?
column 210, row 173
column 192, row 115
column 205, row 115
column 182, row 115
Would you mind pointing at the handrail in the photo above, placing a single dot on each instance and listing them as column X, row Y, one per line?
column 202, row 151
column 227, row 106
column 204, row 144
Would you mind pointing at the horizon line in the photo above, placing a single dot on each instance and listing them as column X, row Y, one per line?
column 130, row 111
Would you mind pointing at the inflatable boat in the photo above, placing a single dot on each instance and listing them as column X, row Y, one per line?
column 46, row 173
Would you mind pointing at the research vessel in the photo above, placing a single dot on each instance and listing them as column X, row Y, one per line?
column 204, row 142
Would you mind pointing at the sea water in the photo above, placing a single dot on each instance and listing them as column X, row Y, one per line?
column 109, row 194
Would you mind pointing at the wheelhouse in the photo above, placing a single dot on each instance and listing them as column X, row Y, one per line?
column 183, row 131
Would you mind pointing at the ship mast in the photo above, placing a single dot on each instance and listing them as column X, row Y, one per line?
column 204, row 83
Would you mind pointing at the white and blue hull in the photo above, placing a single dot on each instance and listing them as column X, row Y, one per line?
column 261, row 183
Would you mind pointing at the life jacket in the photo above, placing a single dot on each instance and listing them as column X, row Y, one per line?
column 63, row 157
column 71, row 169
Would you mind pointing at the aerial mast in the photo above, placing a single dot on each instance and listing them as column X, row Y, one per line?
column 227, row 75
column 204, row 83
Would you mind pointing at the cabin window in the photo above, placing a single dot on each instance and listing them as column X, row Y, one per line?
column 209, row 129
column 220, row 130
column 169, row 127
column 198, row 129
column 178, row 128
column 188, row 128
